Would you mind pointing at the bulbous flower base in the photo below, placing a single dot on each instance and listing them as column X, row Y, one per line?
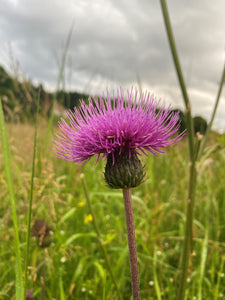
column 125, row 172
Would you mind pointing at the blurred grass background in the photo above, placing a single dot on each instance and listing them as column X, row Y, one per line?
column 72, row 265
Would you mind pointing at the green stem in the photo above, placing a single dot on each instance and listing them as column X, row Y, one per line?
column 8, row 173
column 31, row 199
column 187, row 247
column 131, row 243
column 99, row 236
column 180, row 77
column 43, row 278
column 193, row 153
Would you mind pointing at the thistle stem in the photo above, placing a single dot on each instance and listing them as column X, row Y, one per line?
column 131, row 244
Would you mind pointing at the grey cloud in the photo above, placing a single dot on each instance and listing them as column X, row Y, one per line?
column 115, row 42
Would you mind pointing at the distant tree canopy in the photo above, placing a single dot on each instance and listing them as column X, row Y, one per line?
column 200, row 125
column 20, row 98
column 70, row 99
column 20, row 101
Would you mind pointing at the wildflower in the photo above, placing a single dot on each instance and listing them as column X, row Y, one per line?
column 151, row 283
column 159, row 253
column 63, row 259
column 120, row 130
column 88, row 219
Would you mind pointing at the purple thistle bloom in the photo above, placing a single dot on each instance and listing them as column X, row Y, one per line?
column 105, row 127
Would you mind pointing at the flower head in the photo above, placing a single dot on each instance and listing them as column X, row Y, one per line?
column 109, row 127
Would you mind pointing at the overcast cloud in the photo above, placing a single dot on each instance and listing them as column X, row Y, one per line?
column 119, row 43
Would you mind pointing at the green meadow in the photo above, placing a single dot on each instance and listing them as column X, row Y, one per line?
column 70, row 264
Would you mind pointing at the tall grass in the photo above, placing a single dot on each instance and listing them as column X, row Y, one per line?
column 10, row 188
column 31, row 199
column 74, row 258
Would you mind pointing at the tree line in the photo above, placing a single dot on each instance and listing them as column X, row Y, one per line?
column 19, row 98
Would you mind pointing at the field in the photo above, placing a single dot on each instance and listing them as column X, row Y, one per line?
column 68, row 262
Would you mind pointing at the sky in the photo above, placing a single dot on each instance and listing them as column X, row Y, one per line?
column 118, row 43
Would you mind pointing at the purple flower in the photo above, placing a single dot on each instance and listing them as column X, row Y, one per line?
column 29, row 295
column 131, row 123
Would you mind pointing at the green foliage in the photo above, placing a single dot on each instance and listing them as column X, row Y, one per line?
column 73, row 267
column 70, row 99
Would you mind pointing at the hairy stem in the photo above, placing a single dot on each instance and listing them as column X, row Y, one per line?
column 131, row 243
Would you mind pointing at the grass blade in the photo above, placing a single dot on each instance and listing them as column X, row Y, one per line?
column 202, row 264
column 156, row 282
column 180, row 76
column 62, row 293
column 217, row 288
column 59, row 80
column 8, row 174
column 31, row 198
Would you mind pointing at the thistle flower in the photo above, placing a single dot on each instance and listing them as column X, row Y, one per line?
column 118, row 129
